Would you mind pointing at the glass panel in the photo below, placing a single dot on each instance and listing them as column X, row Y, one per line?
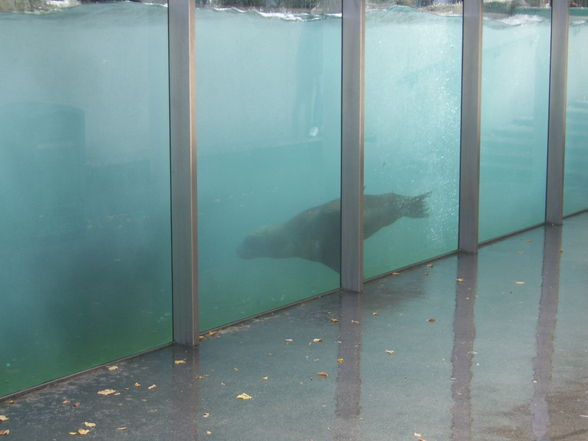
column 515, row 97
column 412, row 131
column 84, row 187
column 576, row 175
column 268, row 158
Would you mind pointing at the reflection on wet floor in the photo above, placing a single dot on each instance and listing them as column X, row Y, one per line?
column 468, row 348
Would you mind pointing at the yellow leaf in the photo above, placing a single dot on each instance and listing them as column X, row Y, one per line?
column 340, row 360
column 322, row 374
column 205, row 415
column 265, row 378
column 430, row 265
column 76, row 404
column 244, row 396
column 153, row 386
column 334, row 320
column 3, row 418
column 375, row 313
column 73, row 433
column 83, row 431
column 91, row 425
column 208, row 432
column 390, row 351
column 395, row 274
column 112, row 368
column 317, row 340
column 106, row 392
column 137, row 384
column 5, row 432
column 459, row 279
column 519, row 283
column 179, row 361
column 200, row 377
column 288, row 340
column 121, row 428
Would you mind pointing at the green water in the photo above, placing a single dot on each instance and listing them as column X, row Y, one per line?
column 515, row 99
column 84, row 162
column 576, row 177
column 84, row 189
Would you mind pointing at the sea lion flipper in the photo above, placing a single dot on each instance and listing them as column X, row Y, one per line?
column 417, row 206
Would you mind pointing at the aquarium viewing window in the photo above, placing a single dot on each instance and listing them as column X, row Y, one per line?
column 169, row 168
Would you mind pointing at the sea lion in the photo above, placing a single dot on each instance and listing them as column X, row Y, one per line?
column 315, row 234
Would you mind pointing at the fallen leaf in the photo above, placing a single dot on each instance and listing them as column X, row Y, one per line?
column 244, row 396
column 211, row 333
column 322, row 374
column 121, row 428
column 340, row 360
column 179, row 361
column 431, row 320
column 91, row 425
column 208, row 432
column 205, row 415
column 459, row 279
column 201, row 337
column 430, row 265
column 83, row 431
column 76, row 404
column 375, row 313
column 3, row 418
column 66, row 401
column 5, row 432
column 519, row 283
column 153, row 386
column 317, row 340
column 73, row 433
column 137, row 384
column 265, row 378
column 288, row 340
column 112, row 368
column 200, row 377
column 418, row 435
column 10, row 401
column 105, row 392
column 390, row 351
column 334, row 320
column 395, row 274
column 355, row 322
column 236, row 369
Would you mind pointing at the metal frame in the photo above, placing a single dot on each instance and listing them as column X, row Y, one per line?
column 471, row 87
column 182, row 77
column 352, row 139
column 558, row 80
column 183, row 145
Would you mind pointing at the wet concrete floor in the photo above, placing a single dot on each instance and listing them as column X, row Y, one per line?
column 491, row 347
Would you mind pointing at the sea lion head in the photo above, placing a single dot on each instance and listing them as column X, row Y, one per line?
column 260, row 243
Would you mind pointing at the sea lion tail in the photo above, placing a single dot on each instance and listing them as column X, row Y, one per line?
column 417, row 206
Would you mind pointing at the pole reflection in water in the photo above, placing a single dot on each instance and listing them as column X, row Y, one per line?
column 546, row 323
column 348, row 392
column 184, row 401
column 464, row 330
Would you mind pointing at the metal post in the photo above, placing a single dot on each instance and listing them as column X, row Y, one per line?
column 471, row 86
column 182, row 77
column 557, row 111
column 352, row 124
